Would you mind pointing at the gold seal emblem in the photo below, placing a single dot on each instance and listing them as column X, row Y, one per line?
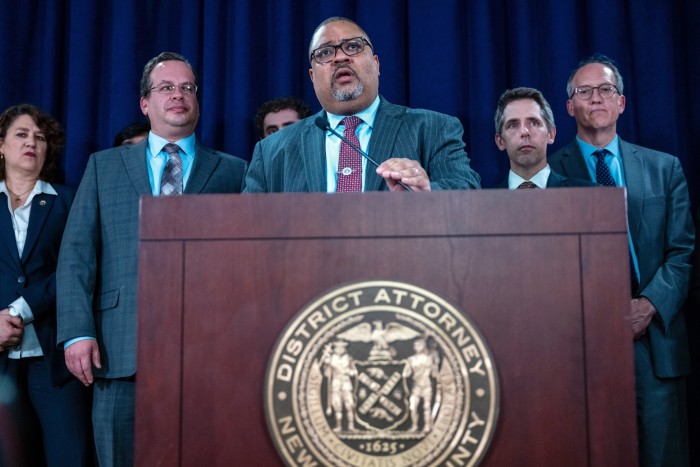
column 381, row 373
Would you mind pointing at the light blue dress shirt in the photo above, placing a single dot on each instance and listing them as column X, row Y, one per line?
column 157, row 158
column 614, row 161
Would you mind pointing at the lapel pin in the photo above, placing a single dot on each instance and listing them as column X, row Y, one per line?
column 42, row 202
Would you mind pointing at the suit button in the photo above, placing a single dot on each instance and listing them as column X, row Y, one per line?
column 20, row 279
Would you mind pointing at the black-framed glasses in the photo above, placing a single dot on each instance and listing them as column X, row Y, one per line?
column 350, row 47
column 584, row 93
column 169, row 88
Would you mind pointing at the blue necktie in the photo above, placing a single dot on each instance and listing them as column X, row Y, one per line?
column 604, row 177
column 602, row 171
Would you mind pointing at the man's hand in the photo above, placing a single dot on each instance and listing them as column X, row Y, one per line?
column 11, row 330
column 407, row 171
column 80, row 356
column 642, row 313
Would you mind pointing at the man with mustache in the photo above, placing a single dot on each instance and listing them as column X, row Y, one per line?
column 524, row 128
column 661, row 233
column 96, row 277
column 419, row 148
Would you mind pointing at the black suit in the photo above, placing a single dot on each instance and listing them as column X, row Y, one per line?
column 62, row 406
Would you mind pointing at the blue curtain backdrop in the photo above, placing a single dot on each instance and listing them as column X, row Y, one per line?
column 81, row 60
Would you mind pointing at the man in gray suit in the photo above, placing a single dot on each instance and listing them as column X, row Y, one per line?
column 421, row 149
column 524, row 128
column 661, row 233
column 97, row 268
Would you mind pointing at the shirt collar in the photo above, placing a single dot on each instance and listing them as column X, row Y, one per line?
column 367, row 116
column 40, row 187
column 157, row 143
column 539, row 179
column 588, row 149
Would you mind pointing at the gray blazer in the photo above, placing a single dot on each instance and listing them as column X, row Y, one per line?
column 294, row 159
column 96, row 276
column 661, row 226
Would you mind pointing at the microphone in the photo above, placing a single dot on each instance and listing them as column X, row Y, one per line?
column 323, row 124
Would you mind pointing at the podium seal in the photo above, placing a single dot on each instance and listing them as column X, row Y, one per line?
column 381, row 373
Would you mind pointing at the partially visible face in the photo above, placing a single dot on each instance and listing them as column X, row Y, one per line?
column 275, row 121
column 347, row 84
column 596, row 113
column 524, row 136
column 24, row 147
column 135, row 139
column 172, row 116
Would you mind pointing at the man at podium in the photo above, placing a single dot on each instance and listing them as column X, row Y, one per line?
column 359, row 141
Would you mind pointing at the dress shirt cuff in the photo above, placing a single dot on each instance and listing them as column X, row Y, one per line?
column 76, row 339
column 23, row 309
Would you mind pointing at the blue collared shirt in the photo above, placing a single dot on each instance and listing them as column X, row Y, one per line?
column 157, row 158
column 363, row 131
column 614, row 161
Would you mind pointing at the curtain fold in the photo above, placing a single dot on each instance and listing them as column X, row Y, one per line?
column 81, row 60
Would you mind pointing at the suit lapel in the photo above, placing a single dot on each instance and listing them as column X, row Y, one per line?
column 135, row 161
column 205, row 163
column 573, row 163
column 387, row 125
column 555, row 180
column 7, row 232
column 313, row 155
column 633, row 165
column 41, row 207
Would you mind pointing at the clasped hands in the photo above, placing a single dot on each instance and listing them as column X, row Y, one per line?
column 11, row 330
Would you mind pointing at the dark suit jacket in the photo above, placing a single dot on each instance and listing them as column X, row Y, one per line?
column 556, row 181
column 294, row 159
column 33, row 276
column 660, row 223
column 98, row 264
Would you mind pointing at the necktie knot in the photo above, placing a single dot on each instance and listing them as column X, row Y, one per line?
column 172, row 149
column 351, row 123
column 600, row 153
column 527, row 185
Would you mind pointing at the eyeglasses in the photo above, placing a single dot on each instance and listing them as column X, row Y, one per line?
column 350, row 47
column 167, row 88
column 584, row 93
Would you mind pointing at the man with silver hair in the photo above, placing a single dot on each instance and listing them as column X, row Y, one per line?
column 661, row 237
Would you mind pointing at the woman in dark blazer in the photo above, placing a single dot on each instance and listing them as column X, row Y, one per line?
column 34, row 380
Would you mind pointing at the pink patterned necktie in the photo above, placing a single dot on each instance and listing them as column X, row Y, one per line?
column 171, row 181
column 350, row 161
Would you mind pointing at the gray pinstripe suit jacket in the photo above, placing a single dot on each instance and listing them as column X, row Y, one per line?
column 294, row 159
column 96, row 277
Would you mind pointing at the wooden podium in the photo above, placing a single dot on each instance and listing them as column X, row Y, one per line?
column 542, row 273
